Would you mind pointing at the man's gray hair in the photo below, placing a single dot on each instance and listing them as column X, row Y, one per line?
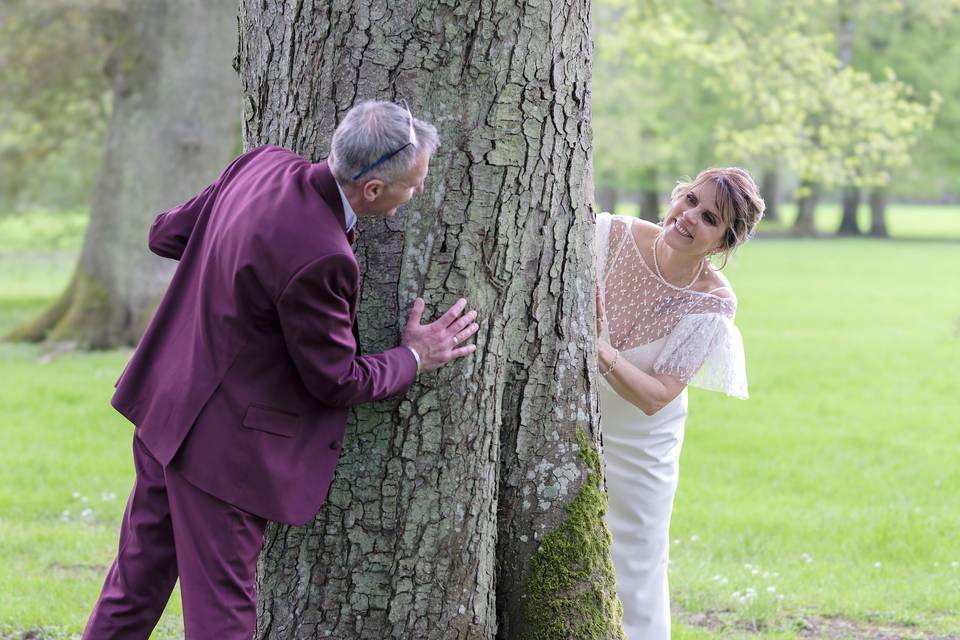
column 373, row 130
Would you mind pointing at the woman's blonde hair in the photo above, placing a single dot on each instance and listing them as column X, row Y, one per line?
column 738, row 200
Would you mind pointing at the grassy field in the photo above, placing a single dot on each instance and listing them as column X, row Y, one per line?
column 825, row 506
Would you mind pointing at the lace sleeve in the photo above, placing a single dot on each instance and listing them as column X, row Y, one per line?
column 601, row 244
column 706, row 350
column 609, row 237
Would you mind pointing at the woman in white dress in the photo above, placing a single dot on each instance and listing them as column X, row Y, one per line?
column 665, row 319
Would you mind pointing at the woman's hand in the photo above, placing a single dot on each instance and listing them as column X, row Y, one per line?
column 605, row 353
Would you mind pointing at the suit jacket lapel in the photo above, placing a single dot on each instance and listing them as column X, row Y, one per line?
column 322, row 180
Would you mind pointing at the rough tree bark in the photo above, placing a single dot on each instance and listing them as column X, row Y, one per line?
column 172, row 127
column 472, row 508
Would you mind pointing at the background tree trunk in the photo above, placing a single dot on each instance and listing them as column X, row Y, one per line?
column 770, row 192
column 878, row 213
column 806, row 205
column 607, row 198
column 471, row 509
column 848, row 220
column 172, row 128
column 649, row 197
column 851, row 194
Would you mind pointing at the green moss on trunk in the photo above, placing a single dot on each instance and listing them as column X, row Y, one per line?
column 572, row 589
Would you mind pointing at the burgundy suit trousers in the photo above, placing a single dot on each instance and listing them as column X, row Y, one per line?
column 172, row 529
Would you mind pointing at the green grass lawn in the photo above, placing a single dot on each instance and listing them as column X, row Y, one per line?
column 836, row 484
column 65, row 465
column 835, row 489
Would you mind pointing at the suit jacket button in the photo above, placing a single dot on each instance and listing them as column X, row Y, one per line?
column 335, row 444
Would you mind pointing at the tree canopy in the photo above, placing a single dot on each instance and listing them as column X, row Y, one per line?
column 684, row 84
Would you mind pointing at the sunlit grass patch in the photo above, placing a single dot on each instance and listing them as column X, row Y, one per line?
column 836, row 483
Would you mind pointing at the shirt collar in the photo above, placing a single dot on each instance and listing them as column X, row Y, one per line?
column 349, row 216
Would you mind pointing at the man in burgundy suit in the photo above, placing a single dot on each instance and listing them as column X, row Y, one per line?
column 240, row 387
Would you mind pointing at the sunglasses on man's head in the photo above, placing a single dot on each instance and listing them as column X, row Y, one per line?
column 388, row 155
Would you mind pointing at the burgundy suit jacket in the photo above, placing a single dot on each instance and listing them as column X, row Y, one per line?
column 244, row 376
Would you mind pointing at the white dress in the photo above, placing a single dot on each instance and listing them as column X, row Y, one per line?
column 658, row 328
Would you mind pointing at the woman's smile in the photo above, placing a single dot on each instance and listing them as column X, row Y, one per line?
column 682, row 229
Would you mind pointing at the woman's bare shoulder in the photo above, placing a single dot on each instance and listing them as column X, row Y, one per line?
column 715, row 283
column 645, row 228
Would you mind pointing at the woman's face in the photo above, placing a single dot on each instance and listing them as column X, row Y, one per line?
column 694, row 224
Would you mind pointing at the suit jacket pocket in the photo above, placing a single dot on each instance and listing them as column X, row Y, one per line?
column 269, row 420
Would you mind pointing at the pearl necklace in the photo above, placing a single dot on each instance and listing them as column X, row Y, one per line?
column 656, row 267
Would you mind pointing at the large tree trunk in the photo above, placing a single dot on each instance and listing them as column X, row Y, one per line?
column 770, row 192
column 850, row 205
column 172, row 127
column 649, row 197
column 471, row 509
column 878, row 213
column 806, row 206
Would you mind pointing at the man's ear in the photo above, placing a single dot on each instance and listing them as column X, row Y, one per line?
column 372, row 189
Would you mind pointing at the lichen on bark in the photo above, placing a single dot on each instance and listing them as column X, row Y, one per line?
column 576, row 553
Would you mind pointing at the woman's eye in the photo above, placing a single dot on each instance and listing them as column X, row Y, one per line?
column 709, row 219
column 692, row 199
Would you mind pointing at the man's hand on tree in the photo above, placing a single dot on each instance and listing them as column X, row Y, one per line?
column 443, row 339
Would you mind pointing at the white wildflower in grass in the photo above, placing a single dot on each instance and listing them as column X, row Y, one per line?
column 775, row 574
column 107, row 496
column 748, row 566
column 86, row 513
column 76, row 495
column 724, row 581
column 676, row 541
column 694, row 538
column 715, row 578
column 779, row 596
column 83, row 498
column 755, row 572
column 936, row 483
column 876, row 565
column 955, row 564
column 736, row 594
column 771, row 589
column 766, row 574
column 65, row 515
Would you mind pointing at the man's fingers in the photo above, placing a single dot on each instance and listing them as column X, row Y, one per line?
column 416, row 312
column 465, row 350
column 464, row 334
column 461, row 322
column 452, row 313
